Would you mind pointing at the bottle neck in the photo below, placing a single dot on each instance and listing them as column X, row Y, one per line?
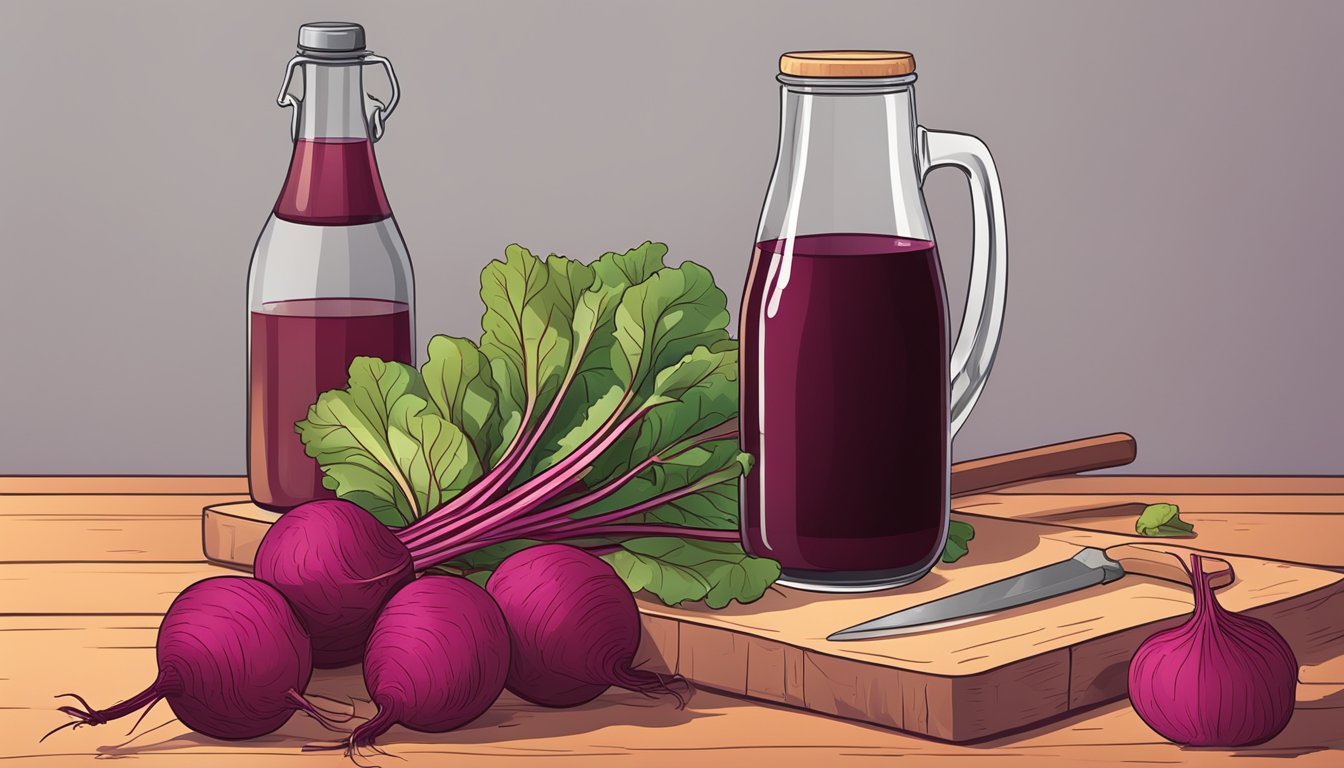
column 333, row 102
column 847, row 161
column 333, row 177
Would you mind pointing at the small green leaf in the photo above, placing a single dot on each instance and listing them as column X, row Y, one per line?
column 433, row 454
column 958, row 534
column 529, row 305
column 457, row 378
column 679, row 570
column 664, row 318
column 699, row 392
column 599, row 412
column 384, row 446
column 629, row 268
column 347, row 432
column 713, row 506
column 569, row 281
column 661, row 343
column 375, row 500
column 488, row 558
column 1163, row 520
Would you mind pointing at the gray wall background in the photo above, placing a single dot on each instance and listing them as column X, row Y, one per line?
column 1172, row 172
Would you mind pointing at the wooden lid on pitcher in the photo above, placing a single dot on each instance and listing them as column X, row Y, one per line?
column 847, row 63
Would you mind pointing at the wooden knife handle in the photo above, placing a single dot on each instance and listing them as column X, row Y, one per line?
column 1161, row 561
column 1100, row 452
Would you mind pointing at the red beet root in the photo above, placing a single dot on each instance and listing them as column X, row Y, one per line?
column 436, row 659
column 233, row 663
column 573, row 626
column 337, row 565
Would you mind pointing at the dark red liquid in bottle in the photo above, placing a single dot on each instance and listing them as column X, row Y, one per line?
column 845, row 403
column 300, row 349
column 333, row 182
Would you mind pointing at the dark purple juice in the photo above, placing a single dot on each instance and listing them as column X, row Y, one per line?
column 845, row 391
column 333, row 182
column 299, row 350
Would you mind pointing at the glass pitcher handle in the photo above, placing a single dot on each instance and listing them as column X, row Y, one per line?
column 978, row 339
column 377, row 116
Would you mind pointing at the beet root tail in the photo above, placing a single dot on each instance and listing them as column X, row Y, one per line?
column 653, row 684
column 324, row 717
column 90, row 716
column 364, row 736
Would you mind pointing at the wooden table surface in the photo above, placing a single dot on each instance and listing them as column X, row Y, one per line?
column 88, row 564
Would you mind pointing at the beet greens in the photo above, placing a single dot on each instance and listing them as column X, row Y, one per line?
column 599, row 408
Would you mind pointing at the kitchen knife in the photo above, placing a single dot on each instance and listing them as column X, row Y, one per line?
column 1089, row 567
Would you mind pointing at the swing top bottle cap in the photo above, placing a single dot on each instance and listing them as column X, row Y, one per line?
column 847, row 63
column 331, row 37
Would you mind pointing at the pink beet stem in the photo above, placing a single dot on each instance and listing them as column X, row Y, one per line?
column 576, row 528
column 484, row 486
column 518, row 525
column 522, row 499
column 488, row 487
column 645, row 532
column 621, row 532
column 558, row 516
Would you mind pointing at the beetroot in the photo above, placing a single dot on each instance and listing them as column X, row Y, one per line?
column 436, row 659
column 1221, row 679
column 573, row 627
column 233, row 663
column 337, row 565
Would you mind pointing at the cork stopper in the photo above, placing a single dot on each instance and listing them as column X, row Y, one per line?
column 847, row 63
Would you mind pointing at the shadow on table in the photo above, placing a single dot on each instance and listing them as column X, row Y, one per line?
column 1110, row 731
column 1316, row 725
column 342, row 691
column 1004, row 544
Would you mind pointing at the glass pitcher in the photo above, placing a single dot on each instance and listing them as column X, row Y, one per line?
column 330, row 278
column 848, row 404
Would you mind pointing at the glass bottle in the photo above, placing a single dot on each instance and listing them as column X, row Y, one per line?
column 848, row 405
column 330, row 278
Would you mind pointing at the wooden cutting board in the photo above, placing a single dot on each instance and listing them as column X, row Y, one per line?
column 1292, row 519
column 972, row 681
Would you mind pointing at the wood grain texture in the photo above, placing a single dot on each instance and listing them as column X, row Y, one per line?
column 108, row 658
column 67, row 589
column 1159, row 559
column 775, row 649
column 103, row 527
column 846, row 63
column 231, row 533
column 137, row 485
column 990, row 675
column 1292, row 527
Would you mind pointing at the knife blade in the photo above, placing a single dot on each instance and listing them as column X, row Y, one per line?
column 1089, row 567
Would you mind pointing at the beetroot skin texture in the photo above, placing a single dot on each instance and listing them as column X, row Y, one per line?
column 1219, row 680
column 436, row 659
column 233, row 662
column 573, row 626
column 337, row 565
